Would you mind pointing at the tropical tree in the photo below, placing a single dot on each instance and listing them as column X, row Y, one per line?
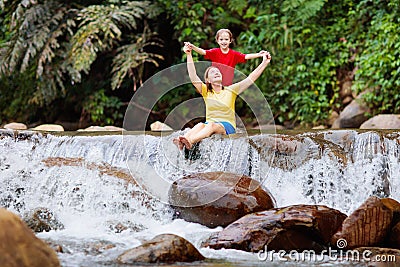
column 54, row 44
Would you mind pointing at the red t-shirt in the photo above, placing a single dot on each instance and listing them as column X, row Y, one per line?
column 225, row 62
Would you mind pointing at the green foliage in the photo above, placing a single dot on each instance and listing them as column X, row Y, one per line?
column 378, row 60
column 300, row 84
column 55, row 44
column 100, row 26
column 103, row 109
column 13, row 102
column 303, row 37
column 187, row 18
column 314, row 44
column 198, row 21
column 50, row 47
column 131, row 58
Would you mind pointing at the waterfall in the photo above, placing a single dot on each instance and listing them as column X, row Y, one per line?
column 86, row 180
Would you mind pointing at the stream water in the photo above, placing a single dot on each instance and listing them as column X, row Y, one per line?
column 83, row 180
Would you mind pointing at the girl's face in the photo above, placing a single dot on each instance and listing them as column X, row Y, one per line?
column 224, row 40
column 214, row 75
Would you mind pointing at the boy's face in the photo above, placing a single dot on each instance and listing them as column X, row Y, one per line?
column 224, row 40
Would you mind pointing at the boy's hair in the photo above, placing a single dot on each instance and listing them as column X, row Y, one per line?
column 224, row 30
column 209, row 86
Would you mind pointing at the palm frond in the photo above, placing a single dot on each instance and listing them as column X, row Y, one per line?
column 50, row 86
column 36, row 29
column 302, row 10
column 132, row 56
column 53, row 42
column 100, row 28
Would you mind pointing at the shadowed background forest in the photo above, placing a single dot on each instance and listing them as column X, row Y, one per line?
column 78, row 63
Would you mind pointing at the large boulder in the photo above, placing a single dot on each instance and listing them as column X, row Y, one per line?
column 165, row 248
column 19, row 247
column 367, row 226
column 217, row 198
column 298, row 227
column 353, row 115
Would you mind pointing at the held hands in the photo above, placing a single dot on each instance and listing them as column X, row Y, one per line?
column 189, row 44
column 266, row 56
column 187, row 48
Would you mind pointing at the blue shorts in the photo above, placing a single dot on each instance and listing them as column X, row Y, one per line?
column 229, row 129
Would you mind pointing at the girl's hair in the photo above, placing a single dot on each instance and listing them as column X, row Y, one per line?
column 208, row 84
column 224, row 30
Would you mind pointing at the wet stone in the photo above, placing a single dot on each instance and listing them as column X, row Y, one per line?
column 165, row 248
column 367, row 226
column 19, row 247
column 217, row 198
column 42, row 220
column 298, row 227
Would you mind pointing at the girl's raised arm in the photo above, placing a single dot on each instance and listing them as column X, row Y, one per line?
column 199, row 50
column 244, row 84
column 196, row 81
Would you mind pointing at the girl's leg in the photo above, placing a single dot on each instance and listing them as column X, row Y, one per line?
column 183, row 141
column 178, row 143
column 200, row 133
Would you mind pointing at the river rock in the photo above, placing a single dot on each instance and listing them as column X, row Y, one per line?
column 297, row 227
column 15, row 126
column 160, row 126
column 42, row 219
column 382, row 121
column 19, row 247
column 49, row 128
column 94, row 128
column 394, row 237
column 269, row 127
column 353, row 115
column 366, row 226
column 393, row 205
column 165, row 248
column 285, row 151
column 217, row 198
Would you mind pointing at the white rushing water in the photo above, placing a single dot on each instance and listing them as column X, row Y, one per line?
column 76, row 177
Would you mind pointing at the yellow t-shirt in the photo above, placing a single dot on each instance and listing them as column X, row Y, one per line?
column 220, row 106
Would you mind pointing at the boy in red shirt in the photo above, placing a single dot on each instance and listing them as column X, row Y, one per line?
column 223, row 57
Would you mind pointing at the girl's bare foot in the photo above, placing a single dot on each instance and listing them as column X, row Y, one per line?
column 186, row 142
column 178, row 143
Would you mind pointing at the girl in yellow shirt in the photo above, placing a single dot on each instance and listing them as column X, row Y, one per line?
column 219, row 100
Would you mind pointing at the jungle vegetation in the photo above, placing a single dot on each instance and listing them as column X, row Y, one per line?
column 81, row 61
